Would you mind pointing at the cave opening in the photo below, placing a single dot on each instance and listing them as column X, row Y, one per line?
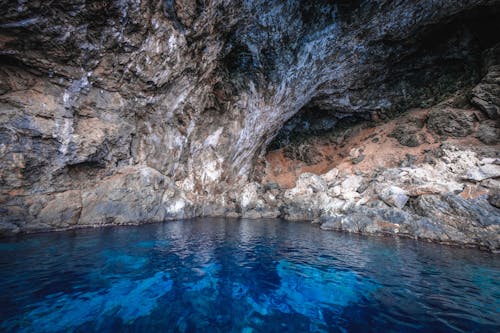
column 420, row 71
column 437, row 63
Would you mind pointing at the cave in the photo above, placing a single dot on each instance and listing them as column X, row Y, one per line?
column 219, row 109
column 249, row 166
column 421, row 71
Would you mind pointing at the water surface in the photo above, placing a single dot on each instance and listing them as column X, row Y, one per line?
column 215, row 275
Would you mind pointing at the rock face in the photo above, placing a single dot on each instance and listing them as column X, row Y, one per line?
column 430, row 202
column 119, row 112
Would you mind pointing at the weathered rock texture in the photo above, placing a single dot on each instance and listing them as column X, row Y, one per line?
column 129, row 111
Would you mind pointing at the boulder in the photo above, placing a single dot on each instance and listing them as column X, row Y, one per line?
column 486, row 96
column 254, row 203
column 330, row 176
column 408, row 135
column 483, row 172
column 494, row 199
column 394, row 196
column 447, row 121
column 489, row 132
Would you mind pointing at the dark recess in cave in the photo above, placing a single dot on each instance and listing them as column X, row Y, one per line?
column 431, row 65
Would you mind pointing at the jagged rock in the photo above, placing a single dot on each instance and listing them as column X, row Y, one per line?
column 494, row 199
column 474, row 192
column 408, row 135
column 330, row 176
column 304, row 152
column 351, row 183
column 450, row 122
column 134, row 195
column 429, row 226
column 490, row 160
column 458, row 212
column 7, row 228
column 487, row 98
column 491, row 184
column 486, row 95
column 415, row 191
column 408, row 160
column 249, row 196
column 489, row 132
column 254, row 203
column 483, row 172
column 62, row 211
column 383, row 221
column 356, row 155
column 394, row 196
column 311, row 182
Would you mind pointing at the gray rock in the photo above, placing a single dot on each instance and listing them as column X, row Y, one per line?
column 489, row 132
column 331, row 176
column 394, row 196
column 408, row 135
column 486, row 95
column 455, row 211
column 450, row 122
column 135, row 195
column 271, row 186
column 431, row 224
column 483, row 172
column 7, row 228
column 494, row 199
column 63, row 210
column 304, row 152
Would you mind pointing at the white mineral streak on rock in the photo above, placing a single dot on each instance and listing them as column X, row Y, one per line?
column 64, row 131
column 20, row 24
column 175, row 207
column 63, row 126
column 72, row 93
column 172, row 42
column 249, row 195
column 213, row 139
column 211, row 171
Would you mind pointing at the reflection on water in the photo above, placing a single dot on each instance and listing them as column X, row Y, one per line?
column 242, row 276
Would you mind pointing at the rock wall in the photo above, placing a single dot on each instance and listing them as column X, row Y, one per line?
column 129, row 111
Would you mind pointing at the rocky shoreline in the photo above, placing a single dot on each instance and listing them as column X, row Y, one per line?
column 454, row 201
column 375, row 118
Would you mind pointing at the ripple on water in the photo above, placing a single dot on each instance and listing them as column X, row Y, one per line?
column 242, row 276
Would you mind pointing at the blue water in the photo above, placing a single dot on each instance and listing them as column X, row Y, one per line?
column 242, row 276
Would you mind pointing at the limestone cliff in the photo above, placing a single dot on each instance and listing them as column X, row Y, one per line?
column 130, row 111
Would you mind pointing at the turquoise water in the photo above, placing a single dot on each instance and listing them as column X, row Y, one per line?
column 242, row 276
